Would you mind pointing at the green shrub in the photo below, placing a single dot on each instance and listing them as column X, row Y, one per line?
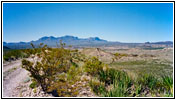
column 65, row 86
column 120, row 55
column 56, row 70
column 121, row 82
column 149, row 81
column 104, row 77
column 33, row 84
column 111, row 76
column 138, row 89
column 167, row 82
column 118, row 79
column 97, row 87
column 93, row 66
column 123, row 86
column 119, row 91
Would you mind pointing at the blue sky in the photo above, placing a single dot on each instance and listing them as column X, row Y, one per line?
column 124, row 22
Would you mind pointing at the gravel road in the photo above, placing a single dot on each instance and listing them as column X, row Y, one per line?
column 13, row 75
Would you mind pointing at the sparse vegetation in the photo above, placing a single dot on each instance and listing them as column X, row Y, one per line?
column 155, row 67
column 120, row 55
column 153, row 48
column 9, row 55
column 55, row 70
column 58, row 70
column 123, row 86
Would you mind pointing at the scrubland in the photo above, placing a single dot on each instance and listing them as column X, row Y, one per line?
column 93, row 72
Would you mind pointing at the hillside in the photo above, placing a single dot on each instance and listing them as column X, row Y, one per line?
column 97, row 52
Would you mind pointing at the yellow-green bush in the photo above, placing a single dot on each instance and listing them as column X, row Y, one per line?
column 33, row 84
column 55, row 70
column 93, row 66
column 120, row 55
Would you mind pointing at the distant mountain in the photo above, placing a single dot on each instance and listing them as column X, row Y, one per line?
column 69, row 40
column 74, row 41
column 51, row 41
column 5, row 48
column 162, row 42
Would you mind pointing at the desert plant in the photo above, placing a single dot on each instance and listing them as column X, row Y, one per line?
column 64, row 85
column 121, row 82
column 167, row 83
column 148, row 80
column 97, row 87
column 120, row 55
column 119, row 91
column 54, row 69
column 33, row 84
column 118, row 79
column 93, row 66
column 14, row 54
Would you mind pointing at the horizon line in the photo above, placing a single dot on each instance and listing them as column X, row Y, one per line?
column 88, row 38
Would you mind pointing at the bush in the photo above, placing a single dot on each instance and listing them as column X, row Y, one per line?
column 97, row 87
column 55, row 70
column 118, row 79
column 149, row 81
column 33, row 84
column 93, row 66
column 121, row 82
column 64, row 86
column 167, row 82
column 119, row 55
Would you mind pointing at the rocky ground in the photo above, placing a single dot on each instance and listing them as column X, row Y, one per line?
column 13, row 75
column 16, row 81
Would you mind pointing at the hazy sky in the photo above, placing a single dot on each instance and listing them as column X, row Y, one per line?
column 124, row 22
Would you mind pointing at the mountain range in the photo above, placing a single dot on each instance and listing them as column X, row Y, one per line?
column 72, row 40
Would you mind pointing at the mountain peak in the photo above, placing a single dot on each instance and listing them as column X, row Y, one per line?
column 46, row 37
column 94, row 38
column 43, row 38
column 69, row 36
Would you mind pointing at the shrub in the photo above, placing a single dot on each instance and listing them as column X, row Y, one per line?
column 149, row 81
column 54, row 70
column 119, row 55
column 93, row 66
column 138, row 89
column 64, row 86
column 111, row 76
column 97, row 87
column 123, row 86
column 33, row 84
column 121, row 82
column 119, row 91
column 167, row 83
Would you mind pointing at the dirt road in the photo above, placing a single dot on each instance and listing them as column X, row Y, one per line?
column 13, row 75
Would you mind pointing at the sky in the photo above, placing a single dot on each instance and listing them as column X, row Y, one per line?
column 123, row 22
